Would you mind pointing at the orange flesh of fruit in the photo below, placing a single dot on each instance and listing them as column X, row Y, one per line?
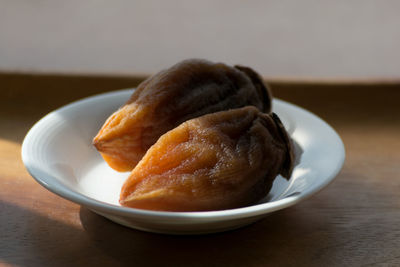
column 187, row 90
column 223, row 160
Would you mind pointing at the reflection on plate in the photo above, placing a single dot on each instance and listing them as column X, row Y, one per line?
column 58, row 153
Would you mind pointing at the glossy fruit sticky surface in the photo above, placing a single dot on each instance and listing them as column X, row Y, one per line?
column 223, row 160
column 187, row 90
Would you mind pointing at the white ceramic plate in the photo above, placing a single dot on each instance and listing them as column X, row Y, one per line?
column 58, row 153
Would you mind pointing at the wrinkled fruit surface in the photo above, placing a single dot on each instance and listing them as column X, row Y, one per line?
column 187, row 90
column 223, row 160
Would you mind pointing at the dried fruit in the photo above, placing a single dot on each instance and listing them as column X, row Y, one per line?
column 223, row 160
column 187, row 90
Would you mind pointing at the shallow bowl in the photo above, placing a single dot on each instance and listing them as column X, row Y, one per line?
column 58, row 153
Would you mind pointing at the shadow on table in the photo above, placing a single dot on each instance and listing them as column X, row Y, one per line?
column 28, row 238
column 288, row 237
column 272, row 239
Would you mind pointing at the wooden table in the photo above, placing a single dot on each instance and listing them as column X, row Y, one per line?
column 354, row 221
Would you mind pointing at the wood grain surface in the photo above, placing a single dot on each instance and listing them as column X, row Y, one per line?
column 353, row 222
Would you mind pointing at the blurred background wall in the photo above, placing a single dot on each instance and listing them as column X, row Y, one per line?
column 279, row 38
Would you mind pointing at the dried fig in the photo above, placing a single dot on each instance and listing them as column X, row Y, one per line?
column 223, row 160
column 187, row 90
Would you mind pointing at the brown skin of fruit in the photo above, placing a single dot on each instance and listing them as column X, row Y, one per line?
column 187, row 90
column 223, row 160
